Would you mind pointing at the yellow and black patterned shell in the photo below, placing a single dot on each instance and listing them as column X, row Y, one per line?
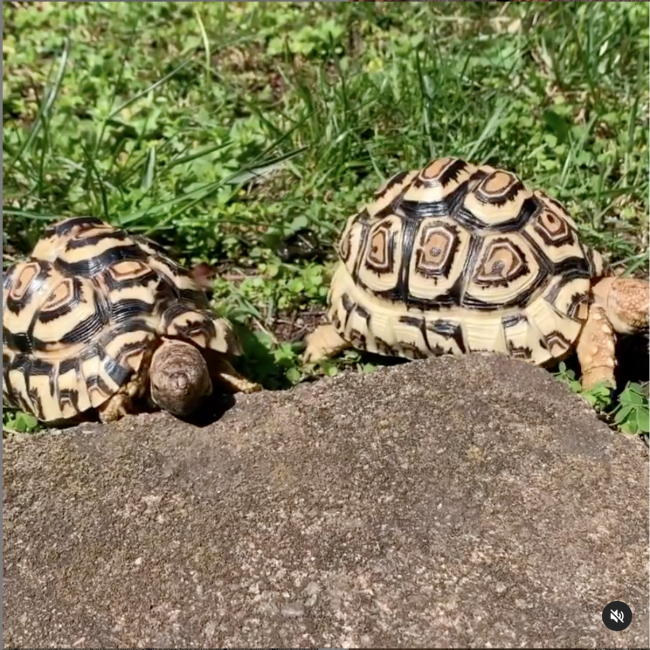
column 457, row 258
column 82, row 316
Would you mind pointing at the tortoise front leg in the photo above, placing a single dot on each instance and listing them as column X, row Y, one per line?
column 222, row 372
column 115, row 407
column 596, row 350
column 323, row 342
column 121, row 404
column 626, row 302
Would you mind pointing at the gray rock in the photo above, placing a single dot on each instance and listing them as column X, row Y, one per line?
column 464, row 502
column 293, row 609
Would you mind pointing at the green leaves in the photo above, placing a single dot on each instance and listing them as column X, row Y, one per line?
column 599, row 397
column 632, row 415
column 558, row 124
column 629, row 415
column 307, row 40
column 276, row 287
column 18, row 422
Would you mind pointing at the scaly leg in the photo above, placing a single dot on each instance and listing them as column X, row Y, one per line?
column 627, row 303
column 596, row 350
column 115, row 407
column 121, row 403
column 323, row 342
column 223, row 373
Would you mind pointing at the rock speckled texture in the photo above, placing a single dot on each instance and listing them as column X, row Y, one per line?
column 448, row 503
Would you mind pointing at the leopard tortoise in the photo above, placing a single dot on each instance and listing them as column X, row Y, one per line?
column 458, row 258
column 97, row 318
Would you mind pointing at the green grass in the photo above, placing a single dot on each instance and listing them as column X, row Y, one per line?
column 220, row 129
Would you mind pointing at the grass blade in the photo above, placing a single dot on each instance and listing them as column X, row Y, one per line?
column 46, row 106
column 206, row 45
column 147, row 179
column 488, row 130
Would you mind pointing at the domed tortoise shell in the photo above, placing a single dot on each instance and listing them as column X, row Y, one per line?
column 84, row 313
column 459, row 258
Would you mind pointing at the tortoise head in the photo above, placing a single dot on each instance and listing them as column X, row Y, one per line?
column 179, row 377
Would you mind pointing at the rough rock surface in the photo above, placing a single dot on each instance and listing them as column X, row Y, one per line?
column 448, row 503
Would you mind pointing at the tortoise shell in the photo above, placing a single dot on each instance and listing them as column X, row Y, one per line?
column 84, row 313
column 458, row 258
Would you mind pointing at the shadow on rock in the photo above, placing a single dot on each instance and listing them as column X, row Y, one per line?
column 633, row 360
column 211, row 411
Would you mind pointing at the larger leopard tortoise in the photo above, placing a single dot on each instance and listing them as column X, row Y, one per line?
column 457, row 258
column 98, row 318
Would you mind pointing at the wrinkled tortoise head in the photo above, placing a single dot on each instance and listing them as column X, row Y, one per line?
column 179, row 377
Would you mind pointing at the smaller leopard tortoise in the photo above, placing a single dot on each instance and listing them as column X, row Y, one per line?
column 458, row 258
column 97, row 319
